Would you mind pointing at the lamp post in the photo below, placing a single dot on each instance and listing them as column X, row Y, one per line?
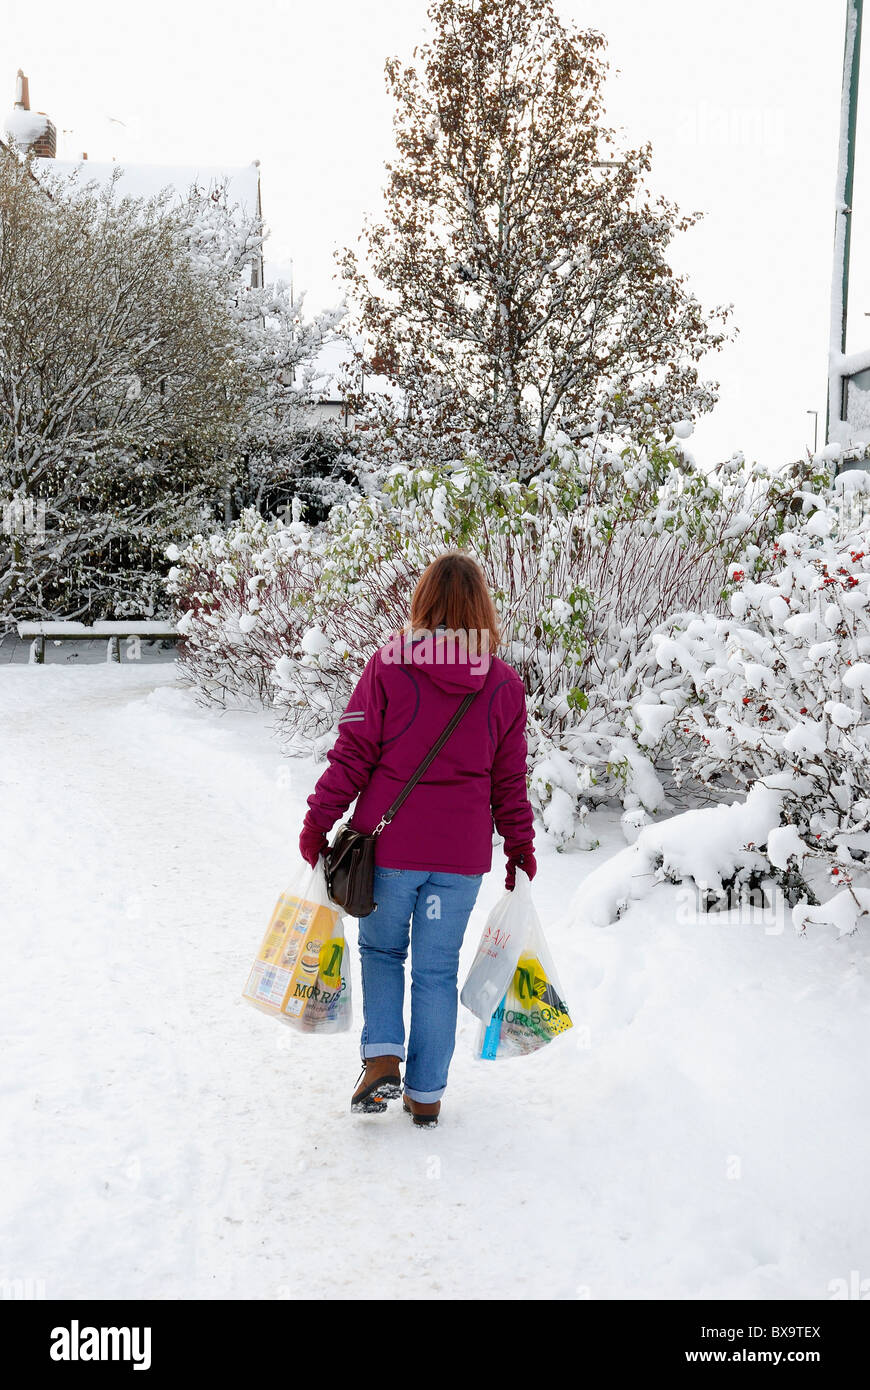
column 843, row 212
column 815, row 415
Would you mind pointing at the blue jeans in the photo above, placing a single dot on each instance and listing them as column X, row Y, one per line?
column 438, row 907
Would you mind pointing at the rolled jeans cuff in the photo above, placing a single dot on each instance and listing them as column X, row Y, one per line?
column 424, row 1097
column 382, row 1050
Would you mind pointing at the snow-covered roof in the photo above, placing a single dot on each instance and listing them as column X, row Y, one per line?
column 147, row 180
column 25, row 127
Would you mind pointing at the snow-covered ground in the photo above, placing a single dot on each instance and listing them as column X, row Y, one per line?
column 701, row 1133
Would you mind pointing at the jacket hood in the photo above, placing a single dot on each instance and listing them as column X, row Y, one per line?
column 447, row 661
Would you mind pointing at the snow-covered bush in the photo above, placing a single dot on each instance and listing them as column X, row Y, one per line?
column 777, row 691
column 260, row 626
column 714, row 848
column 586, row 560
column 245, row 596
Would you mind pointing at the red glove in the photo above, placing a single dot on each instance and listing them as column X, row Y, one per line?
column 523, row 857
column 312, row 842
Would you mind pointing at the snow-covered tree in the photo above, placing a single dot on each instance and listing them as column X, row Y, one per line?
column 519, row 281
column 282, row 451
column 285, row 452
column 118, row 380
column 143, row 385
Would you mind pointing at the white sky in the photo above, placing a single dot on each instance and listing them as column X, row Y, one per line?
column 740, row 101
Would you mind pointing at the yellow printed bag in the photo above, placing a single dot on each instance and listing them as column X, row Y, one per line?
column 302, row 971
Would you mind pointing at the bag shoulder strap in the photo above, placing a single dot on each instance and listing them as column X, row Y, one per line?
column 429, row 758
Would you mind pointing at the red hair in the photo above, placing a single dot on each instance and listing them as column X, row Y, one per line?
column 452, row 592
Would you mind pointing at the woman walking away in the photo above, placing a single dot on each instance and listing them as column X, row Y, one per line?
column 430, row 859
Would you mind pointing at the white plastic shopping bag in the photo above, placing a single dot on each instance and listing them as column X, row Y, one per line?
column 499, row 950
column 302, row 971
column 512, row 986
column 533, row 1011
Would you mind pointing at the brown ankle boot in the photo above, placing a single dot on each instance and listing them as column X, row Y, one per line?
column 422, row 1112
column 379, row 1081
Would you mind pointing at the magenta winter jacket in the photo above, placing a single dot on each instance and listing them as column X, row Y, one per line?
column 393, row 717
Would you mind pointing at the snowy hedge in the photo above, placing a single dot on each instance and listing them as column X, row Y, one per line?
column 587, row 561
column 777, row 692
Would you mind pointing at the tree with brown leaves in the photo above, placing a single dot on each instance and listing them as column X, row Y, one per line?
column 518, row 283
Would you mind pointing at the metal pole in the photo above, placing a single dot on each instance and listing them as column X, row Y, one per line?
column 815, row 415
column 843, row 206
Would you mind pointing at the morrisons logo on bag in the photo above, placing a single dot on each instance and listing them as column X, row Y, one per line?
column 76, row 1343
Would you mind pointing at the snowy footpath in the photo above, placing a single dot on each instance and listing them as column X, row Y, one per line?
column 703, row 1132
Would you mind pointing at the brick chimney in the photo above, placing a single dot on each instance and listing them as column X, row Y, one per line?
column 32, row 130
